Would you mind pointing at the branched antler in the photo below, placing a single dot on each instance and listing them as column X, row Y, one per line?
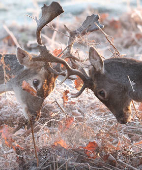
column 48, row 14
column 87, row 26
column 46, row 56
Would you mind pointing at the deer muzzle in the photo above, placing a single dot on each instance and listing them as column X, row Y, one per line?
column 124, row 116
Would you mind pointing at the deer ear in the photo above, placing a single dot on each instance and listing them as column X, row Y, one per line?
column 23, row 57
column 96, row 60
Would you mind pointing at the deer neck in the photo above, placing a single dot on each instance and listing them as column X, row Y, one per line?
column 127, row 72
column 9, row 66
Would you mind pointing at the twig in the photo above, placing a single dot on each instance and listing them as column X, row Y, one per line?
column 47, row 38
column 132, row 83
column 12, row 35
column 48, row 166
column 32, row 130
column 106, row 168
column 64, row 50
column 134, row 107
column 54, row 34
column 64, row 163
column 136, row 112
column 129, row 166
column 30, row 17
column 66, row 166
column 114, row 168
column 2, row 62
column 57, row 30
column 44, row 163
column 61, row 107
column 137, row 153
column 54, row 161
column 107, row 37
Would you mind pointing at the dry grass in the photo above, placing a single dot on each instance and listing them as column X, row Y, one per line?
column 63, row 132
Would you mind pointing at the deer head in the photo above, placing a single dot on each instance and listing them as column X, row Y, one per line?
column 108, row 86
column 39, row 78
column 109, row 81
column 41, row 82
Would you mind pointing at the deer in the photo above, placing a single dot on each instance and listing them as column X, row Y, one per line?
column 110, row 80
column 21, row 68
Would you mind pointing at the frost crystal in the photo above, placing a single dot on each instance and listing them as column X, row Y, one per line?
column 132, row 83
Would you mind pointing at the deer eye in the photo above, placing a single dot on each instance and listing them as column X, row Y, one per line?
column 102, row 94
column 36, row 83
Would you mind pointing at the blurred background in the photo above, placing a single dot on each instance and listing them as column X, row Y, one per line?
column 15, row 10
column 116, row 16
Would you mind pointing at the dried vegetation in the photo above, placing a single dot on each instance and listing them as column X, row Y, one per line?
column 78, row 133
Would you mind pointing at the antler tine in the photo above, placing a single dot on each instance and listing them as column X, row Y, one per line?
column 50, row 69
column 89, row 25
column 46, row 56
column 48, row 14
column 79, row 93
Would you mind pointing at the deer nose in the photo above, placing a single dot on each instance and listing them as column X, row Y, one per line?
column 122, row 121
column 124, row 117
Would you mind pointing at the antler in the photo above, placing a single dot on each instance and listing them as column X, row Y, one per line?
column 87, row 26
column 46, row 56
column 48, row 14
